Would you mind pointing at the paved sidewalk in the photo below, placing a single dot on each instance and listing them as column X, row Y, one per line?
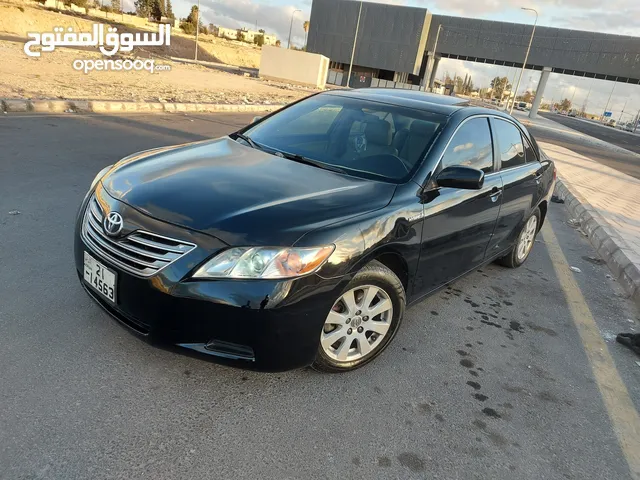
column 607, row 203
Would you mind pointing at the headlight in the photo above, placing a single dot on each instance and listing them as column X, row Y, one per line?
column 99, row 176
column 265, row 262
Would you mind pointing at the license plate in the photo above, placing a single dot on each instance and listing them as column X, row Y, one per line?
column 100, row 278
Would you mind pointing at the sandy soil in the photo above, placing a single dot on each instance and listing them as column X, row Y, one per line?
column 52, row 75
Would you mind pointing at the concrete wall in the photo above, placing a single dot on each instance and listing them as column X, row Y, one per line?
column 389, row 37
column 293, row 66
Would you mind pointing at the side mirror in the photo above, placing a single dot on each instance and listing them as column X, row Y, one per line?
column 256, row 118
column 458, row 176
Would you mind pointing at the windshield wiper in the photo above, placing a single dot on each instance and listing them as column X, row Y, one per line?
column 310, row 161
column 253, row 144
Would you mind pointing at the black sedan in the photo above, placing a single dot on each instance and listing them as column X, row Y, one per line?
column 302, row 238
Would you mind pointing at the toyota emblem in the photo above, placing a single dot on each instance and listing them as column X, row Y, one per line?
column 113, row 224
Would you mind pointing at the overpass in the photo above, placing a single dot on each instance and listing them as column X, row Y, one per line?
column 399, row 43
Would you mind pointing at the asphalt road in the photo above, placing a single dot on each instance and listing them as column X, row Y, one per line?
column 624, row 162
column 608, row 134
column 490, row 378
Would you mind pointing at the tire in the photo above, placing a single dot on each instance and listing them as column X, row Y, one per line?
column 514, row 258
column 381, row 288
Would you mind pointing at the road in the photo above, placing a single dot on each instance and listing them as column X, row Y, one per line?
column 624, row 162
column 498, row 376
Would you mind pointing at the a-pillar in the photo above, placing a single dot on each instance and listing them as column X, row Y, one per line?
column 544, row 76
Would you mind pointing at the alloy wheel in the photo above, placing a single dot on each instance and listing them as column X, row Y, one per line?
column 357, row 323
column 527, row 237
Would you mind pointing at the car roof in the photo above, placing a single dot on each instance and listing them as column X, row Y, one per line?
column 431, row 102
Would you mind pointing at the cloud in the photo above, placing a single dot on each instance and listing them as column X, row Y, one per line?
column 245, row 13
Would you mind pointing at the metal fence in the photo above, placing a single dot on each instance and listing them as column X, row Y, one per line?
column 376, row 82
column 335, row 77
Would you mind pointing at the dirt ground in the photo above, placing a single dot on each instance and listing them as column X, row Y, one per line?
column 51, row 76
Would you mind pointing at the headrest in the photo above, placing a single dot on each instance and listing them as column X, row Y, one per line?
column 422, row 128
column 378, row 132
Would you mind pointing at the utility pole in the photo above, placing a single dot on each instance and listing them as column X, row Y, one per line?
column 526, row 57
column 197, row 30
column 290, row 27
column 635, row 127
column 355, row 39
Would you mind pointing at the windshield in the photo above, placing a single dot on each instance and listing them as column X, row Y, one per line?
column 363, row 138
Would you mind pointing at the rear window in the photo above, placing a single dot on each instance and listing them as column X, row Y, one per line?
column 365, row 138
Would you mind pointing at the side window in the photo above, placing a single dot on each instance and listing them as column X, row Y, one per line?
column 471, row 146
column 510, row 143
column 529, row 153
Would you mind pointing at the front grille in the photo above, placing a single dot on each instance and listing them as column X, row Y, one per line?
column 140, row 253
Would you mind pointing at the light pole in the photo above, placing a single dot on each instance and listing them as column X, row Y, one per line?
column 290, row 26
column 197, row 30
column 586, row 100
column 526, row 57
column 607, row 106
column 355, row 39
column 622, row 113
column 509, row 99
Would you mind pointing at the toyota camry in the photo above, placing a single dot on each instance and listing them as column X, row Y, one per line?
column 302, row 238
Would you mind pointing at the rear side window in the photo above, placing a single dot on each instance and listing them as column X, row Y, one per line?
column 471, row 146
column 510, row 143
column 529, row 153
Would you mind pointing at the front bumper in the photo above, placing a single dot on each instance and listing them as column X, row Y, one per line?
column 270, row 325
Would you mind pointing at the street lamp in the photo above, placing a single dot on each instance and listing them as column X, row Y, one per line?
column 355, row 38
column 526, row 57
column 290, row 26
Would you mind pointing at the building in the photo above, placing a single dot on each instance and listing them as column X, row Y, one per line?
column 404, row 44
column 222, row 32
column 270, row 39
column 244, row 34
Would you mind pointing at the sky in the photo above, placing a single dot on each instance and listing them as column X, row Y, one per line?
column 612, row 16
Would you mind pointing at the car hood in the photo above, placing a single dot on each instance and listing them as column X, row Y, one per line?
column 241, row 195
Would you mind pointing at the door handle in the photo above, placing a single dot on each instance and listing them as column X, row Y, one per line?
column 495, row 194
column 538, row 176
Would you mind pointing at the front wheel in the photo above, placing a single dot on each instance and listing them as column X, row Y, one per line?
column 524, row 244
column 362, row 321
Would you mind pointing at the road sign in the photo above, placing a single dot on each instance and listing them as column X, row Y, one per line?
column 607, row 114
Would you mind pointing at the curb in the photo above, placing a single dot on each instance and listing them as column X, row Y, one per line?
column 623, row 262
column 100, row 106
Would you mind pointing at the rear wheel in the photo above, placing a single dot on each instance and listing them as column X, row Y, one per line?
column 362, row 321
column 524, row 244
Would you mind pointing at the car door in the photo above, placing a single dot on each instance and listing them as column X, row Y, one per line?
column 458, row 224
column 520, row 171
